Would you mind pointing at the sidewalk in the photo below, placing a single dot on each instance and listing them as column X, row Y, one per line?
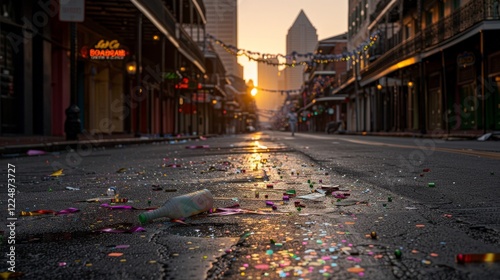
column 17, row 145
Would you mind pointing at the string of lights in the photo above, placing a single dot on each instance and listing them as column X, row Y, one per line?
column 294, row 58
column 279, row 90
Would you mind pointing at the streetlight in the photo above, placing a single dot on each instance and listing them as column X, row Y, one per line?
column 131, row 67
column 254, row 91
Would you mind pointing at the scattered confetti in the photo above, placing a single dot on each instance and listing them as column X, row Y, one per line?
column 57, row 173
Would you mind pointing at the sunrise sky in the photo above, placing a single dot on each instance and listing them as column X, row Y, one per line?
column 263, row 24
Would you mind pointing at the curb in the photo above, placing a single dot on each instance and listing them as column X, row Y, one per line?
column 20, row 150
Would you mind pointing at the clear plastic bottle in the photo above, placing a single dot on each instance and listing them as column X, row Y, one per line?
column 181, row 206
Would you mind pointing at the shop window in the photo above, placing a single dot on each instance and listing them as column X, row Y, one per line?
column 407, row 32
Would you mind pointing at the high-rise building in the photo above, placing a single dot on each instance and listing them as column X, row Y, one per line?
column 268, row 99
column 222, row 22
column 301, row 39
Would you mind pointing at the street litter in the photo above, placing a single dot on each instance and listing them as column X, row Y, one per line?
column 114, row 230
column 340, row 195
column 125, row 207
column 35, row 152
column 46, row 212
column 98, row 199
column 477, row 258
column 181, row 206
column 72, row 189
column 57, row 173
column 235, row 211
column 312, row 196
column 156, row 188
column 198, row 147
column 330, row 188
column 349, row 202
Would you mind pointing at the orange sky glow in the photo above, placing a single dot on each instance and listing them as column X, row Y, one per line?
column 263, row 25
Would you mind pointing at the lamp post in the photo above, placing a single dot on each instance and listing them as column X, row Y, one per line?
column 131, row 68
column 72, row 125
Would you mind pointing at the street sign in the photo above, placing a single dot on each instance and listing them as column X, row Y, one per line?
column 72, row 10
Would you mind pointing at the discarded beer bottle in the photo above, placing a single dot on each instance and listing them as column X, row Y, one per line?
column 181, row 206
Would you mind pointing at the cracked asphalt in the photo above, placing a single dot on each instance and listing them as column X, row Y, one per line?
column 356, row 232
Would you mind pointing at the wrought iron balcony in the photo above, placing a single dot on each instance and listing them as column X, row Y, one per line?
column 446, row 29
column 189, row 45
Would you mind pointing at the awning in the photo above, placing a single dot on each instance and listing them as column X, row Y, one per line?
column 232, row 104
column 402, row 64
column 343, row 86
column 232, row 89
column 322, row 73
column 338, row 97
column 216, row 88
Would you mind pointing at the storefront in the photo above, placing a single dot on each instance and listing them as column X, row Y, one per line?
column 102, row 65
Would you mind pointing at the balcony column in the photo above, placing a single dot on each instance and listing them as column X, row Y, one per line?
column 445, row 93
column 138, row 71
column 162, row 82
column 483, row 80
column 72, row 125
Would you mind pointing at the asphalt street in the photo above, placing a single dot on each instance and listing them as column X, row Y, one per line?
column 400, row 209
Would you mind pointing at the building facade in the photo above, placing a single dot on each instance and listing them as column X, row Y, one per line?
column 433, row 69
column 127, row 66
column 318, row 105
column 300, row 39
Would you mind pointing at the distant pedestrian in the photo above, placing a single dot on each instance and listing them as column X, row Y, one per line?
column 292, row 120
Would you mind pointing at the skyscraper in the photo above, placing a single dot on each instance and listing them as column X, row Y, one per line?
column 301, row 39
column 222, row 22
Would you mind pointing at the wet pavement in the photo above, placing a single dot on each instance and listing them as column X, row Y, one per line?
column 278, row 214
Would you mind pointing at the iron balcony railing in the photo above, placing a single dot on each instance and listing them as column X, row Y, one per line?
column 451, row 26
column 162, row 14
column 188, row 44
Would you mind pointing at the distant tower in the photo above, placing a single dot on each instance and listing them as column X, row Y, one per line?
column 222, row 22
column 301, row 38
column 268, row 76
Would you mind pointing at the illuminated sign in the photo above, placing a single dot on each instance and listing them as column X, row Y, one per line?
column 187, row 84
column 105, row 50
column 466, row 59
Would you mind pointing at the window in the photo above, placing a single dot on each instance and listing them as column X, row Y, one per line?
column 428, row 18
column 407, row 33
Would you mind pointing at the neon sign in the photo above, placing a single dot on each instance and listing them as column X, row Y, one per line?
column 106, row 50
